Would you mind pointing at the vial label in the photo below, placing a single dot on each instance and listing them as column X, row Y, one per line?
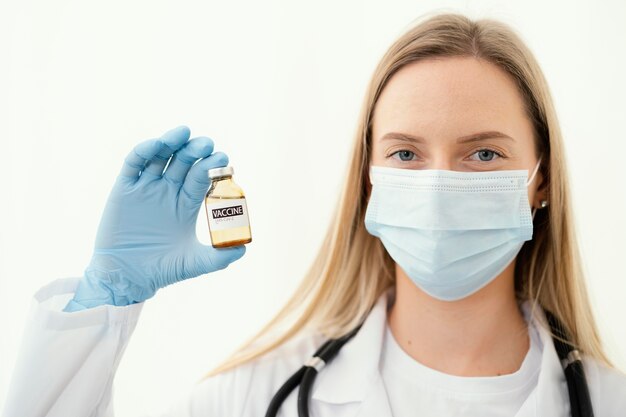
column 232, row 212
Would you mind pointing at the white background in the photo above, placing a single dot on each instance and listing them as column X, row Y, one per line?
column 277, row 85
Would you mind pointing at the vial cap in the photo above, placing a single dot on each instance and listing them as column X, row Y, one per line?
column 221, row 172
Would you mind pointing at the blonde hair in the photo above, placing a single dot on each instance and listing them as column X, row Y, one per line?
column 352, row 268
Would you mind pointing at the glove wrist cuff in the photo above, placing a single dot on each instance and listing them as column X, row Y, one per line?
column 93, row 291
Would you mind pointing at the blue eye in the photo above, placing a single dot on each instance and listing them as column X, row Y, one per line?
column 404, row 155
column 486, row 155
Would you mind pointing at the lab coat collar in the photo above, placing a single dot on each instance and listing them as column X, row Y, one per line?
column 551, row 395
column 353, row 378
column 354, row 371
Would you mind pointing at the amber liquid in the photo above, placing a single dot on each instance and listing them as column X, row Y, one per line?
column 228, row 237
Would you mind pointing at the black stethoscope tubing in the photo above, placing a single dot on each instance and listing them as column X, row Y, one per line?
column 580, row 401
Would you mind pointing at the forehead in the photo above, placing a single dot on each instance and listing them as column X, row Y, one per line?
column 449, row 96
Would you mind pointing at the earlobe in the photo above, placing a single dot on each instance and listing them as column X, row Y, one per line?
column 541, row 194
column 540, row 201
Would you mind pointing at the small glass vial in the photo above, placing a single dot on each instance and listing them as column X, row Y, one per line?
column 226, row 210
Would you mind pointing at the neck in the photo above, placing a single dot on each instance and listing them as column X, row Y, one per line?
column 484, row 334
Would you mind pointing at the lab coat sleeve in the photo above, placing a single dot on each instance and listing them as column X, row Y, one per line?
column 67, row 360
column 607, row 387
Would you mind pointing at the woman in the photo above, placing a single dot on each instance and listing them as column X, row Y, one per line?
column 452, row 247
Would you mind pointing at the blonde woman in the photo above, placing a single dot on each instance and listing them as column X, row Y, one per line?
column 449, row 282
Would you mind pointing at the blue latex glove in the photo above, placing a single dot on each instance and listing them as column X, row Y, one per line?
column 146, row 239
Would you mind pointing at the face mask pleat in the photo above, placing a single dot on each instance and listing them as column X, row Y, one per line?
column 439, row 210
column 474, row 281
column 437, row 249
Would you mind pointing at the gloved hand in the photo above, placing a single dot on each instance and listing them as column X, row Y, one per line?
column 146, row 239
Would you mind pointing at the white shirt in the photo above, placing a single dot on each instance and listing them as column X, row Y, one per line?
column 415, row 389
column 67, row 363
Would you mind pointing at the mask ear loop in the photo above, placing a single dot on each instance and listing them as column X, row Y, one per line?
column 532, row 177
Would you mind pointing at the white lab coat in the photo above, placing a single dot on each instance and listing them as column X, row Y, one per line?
column 67, row 363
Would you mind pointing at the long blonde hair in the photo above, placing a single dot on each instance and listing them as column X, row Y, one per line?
column 352, row 268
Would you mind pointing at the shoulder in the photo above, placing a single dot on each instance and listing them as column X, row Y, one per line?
column 607, row 387
column 247, row 388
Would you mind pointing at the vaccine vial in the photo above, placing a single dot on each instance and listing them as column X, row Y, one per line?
column 226, row 210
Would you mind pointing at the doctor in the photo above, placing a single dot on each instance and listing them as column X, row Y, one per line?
column 452, row 241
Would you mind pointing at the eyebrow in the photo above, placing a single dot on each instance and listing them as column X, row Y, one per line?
column 482, row 136
column 474, row 137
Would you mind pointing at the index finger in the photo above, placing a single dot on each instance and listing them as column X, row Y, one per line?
column 136, row 160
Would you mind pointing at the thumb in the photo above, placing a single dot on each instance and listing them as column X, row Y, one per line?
column 197, row 180
column 214, row 259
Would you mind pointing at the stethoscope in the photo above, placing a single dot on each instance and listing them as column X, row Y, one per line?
column 570, row 360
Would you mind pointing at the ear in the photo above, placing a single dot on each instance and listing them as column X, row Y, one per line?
column 541, row 194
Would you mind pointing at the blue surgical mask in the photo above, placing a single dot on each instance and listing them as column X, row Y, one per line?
column 451, row 232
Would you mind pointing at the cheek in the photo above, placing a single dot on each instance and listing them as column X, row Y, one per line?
column 377, row 157
column 376, row 154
